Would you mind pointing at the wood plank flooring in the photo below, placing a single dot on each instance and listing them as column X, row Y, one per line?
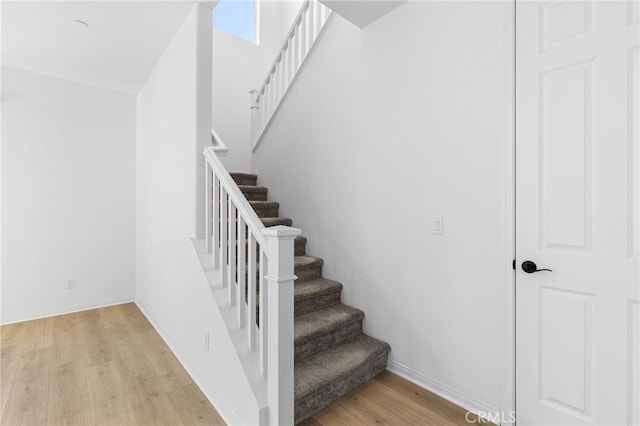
column 388, row 399
column 106, row 366
column 109, row 366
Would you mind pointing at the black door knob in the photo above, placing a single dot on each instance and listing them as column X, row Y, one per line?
column 530, row 267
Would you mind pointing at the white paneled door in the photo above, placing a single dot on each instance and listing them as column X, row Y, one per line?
column 578, row 212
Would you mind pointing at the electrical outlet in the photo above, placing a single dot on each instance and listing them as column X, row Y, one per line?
column 70, row 284
column 437, row 225
column 207, row 340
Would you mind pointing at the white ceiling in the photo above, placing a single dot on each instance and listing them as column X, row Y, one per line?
column 118, row 51
column 362, row 12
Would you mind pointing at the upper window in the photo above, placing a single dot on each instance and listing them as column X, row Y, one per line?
column 237, row 17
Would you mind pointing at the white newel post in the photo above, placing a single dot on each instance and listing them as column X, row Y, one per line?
column 280, row 279
column 216, row 222
column 255, row 116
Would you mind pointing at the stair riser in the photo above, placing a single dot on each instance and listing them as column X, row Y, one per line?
column 302, row 307
column 327, row 340
column 300, row 247
column 312, row 404
column 303, row 273
column 245, row 180
column 266, row 211
column 255, row 196
column 308, row 273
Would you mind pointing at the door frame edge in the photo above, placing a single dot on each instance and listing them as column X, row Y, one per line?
column 508, row 237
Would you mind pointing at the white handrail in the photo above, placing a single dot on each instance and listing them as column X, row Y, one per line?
column 218, row 144
column 241, row 203
column 301, row 38
column 286, row 41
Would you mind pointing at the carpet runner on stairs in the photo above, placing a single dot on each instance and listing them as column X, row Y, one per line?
column 332, row 354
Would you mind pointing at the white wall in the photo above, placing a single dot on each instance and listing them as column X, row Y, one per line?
column 170, row 286
column 386, row 128
column 240, row 66
column 68, row 196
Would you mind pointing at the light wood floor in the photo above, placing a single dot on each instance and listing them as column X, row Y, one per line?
column 109, row 366
column 388, row 399
column 101, row 367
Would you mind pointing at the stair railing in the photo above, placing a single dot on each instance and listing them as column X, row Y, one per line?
column 306, row 28
column 218, row 144
column 256, row 265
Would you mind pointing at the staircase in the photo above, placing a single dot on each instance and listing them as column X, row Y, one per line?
column 332, row 355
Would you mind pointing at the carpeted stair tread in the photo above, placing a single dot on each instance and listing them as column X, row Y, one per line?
column 275, row 221
column 314, row 288
column 323, row 321
column 307, row 261
column 254, row 193
column 325, row 376
column 248, row 179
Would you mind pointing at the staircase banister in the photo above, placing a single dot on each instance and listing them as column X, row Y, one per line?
column 218, row 144
column 251, row 218
column 287, row 39
column 296, row 48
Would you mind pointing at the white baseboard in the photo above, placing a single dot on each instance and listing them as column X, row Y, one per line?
column 225, row 411
column 54, row 312
column 465, row 401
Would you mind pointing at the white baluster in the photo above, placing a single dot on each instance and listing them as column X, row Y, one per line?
column 316, row 19
column 224, row 237
column 268, row 95
column 274, row 88
column 303, row 36
column 272, row 100
column 285, row 70
column 263, row 352
column 289, row 64
column 296, row 47
column 293, row 47
column 263, row 110
column 216, row 222
column 324, row 15
column 276, row 85
column 292, row 58
column 241, row 270
column 231, row 220
column 251, row 290
column 310, row 28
